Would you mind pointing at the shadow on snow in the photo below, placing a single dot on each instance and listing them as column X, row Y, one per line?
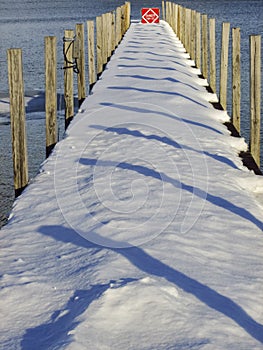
column 215, row 200
column 151, row 266
column 165, row 114
column 166, row 140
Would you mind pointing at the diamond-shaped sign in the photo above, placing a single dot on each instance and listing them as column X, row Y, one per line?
column 150, row 15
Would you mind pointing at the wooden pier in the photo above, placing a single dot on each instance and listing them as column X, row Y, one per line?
column 197, row 34
column 143, row 220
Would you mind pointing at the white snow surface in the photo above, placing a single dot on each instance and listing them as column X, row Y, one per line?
column 142, row 230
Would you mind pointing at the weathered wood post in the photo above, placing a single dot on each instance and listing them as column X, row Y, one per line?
column 198, row 40
column 177, row 19
column 163, row 10
column 187, row 29
column 68, row 76
column 81, row 63
column 91, row 54
column 128, row 14
column 212, row 51
column 123, row 20
column 173, row 17
column 236, row 89
column 204, row 47
column 113, row 33
column 118, row 25
column 168, row 12
column 108, row 34
column 179, row 29
column 224, row 65
column 17, row 115
column 172, row 13
column 193, row 35
column 104, row 40
column 51, row 92
column 184, row 25
column 255, row 91
column 99, row 45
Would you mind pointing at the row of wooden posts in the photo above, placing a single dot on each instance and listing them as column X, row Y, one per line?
column 110, row 28
column 198, row 35
column 193, row 29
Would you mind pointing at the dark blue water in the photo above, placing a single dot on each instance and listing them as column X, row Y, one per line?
column 25, row 23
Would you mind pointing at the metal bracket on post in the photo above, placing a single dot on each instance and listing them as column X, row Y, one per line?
column 75, row 45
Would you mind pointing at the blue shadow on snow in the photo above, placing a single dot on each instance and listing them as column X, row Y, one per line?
column 149, row 67
column 164, row 114
column 166, row 140
column 157, row 92
column 144, row 77
column 151, row 266
column 57, row 331
column 215, row 200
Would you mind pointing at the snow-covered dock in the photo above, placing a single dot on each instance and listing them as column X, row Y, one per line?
column 143, row 230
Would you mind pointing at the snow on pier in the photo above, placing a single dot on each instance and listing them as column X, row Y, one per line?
column 143, row 230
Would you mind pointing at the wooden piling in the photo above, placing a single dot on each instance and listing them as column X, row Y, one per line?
column 108, row 34
column 113, row 33
column 127, row 15
column 236, row 80
column 179, row 21
column 168, row 11
column 99, row 45
column 204, row 47
column 51, row 92
column 198, row 40
column 224, row 65
column 68, row 76
column 184, row 26
column 212, row 54
column 193, row 35
column 91, row 54
column 123, row 20
column 173, row 17
column 17, row 116
column 171, row 14
column 188, row 30
column 104, row 50
column 81, row 63
column 255, row 98
column 163, row 10
column 118, row 25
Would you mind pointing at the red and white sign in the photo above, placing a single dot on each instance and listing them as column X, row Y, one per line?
column 150, row 15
